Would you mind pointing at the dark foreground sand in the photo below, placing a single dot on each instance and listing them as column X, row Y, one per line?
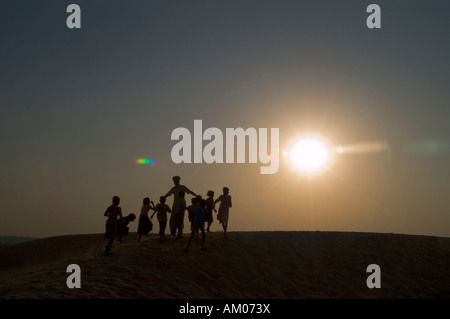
column 246, row 265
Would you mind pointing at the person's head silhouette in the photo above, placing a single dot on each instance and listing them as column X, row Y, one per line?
column 116, row 200
column 176, row 180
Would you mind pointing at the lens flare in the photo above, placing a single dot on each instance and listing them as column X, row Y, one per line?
column 429, row 147
column 145, row 161
column 363, row 148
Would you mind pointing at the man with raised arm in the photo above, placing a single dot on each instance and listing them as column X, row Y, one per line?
column 175, row 191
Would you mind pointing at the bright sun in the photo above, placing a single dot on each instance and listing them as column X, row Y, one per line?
column 309, row 155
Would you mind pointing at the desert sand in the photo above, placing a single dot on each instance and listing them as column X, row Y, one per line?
column 262, row 265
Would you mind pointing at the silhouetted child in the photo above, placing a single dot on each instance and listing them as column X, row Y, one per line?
column 122, row 226
column 198, row 223
column 225, row 205
column 161, row 209
column 209, row 208
column 195, row 202
column 179, row 206
column 145, row 224
column 113, row 212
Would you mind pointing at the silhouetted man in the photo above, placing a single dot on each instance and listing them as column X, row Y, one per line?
column 175, row 191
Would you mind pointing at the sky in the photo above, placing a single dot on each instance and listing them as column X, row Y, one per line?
column 79, row 107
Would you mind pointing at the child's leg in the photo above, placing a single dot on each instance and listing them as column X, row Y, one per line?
column 164, row 224
column 203, row 239
column 189, row 242
column 160, row 232
column 109, row 245
column 225, row 226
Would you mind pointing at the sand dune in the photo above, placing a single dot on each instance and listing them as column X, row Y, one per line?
column 246, row 265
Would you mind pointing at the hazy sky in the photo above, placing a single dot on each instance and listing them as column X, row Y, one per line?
column 78, row 107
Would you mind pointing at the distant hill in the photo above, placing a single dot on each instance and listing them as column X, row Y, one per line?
column 11, row 240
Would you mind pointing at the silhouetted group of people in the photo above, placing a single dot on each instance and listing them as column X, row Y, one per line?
column 200, row 212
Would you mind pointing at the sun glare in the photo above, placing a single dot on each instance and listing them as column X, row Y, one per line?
column 309, row 155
